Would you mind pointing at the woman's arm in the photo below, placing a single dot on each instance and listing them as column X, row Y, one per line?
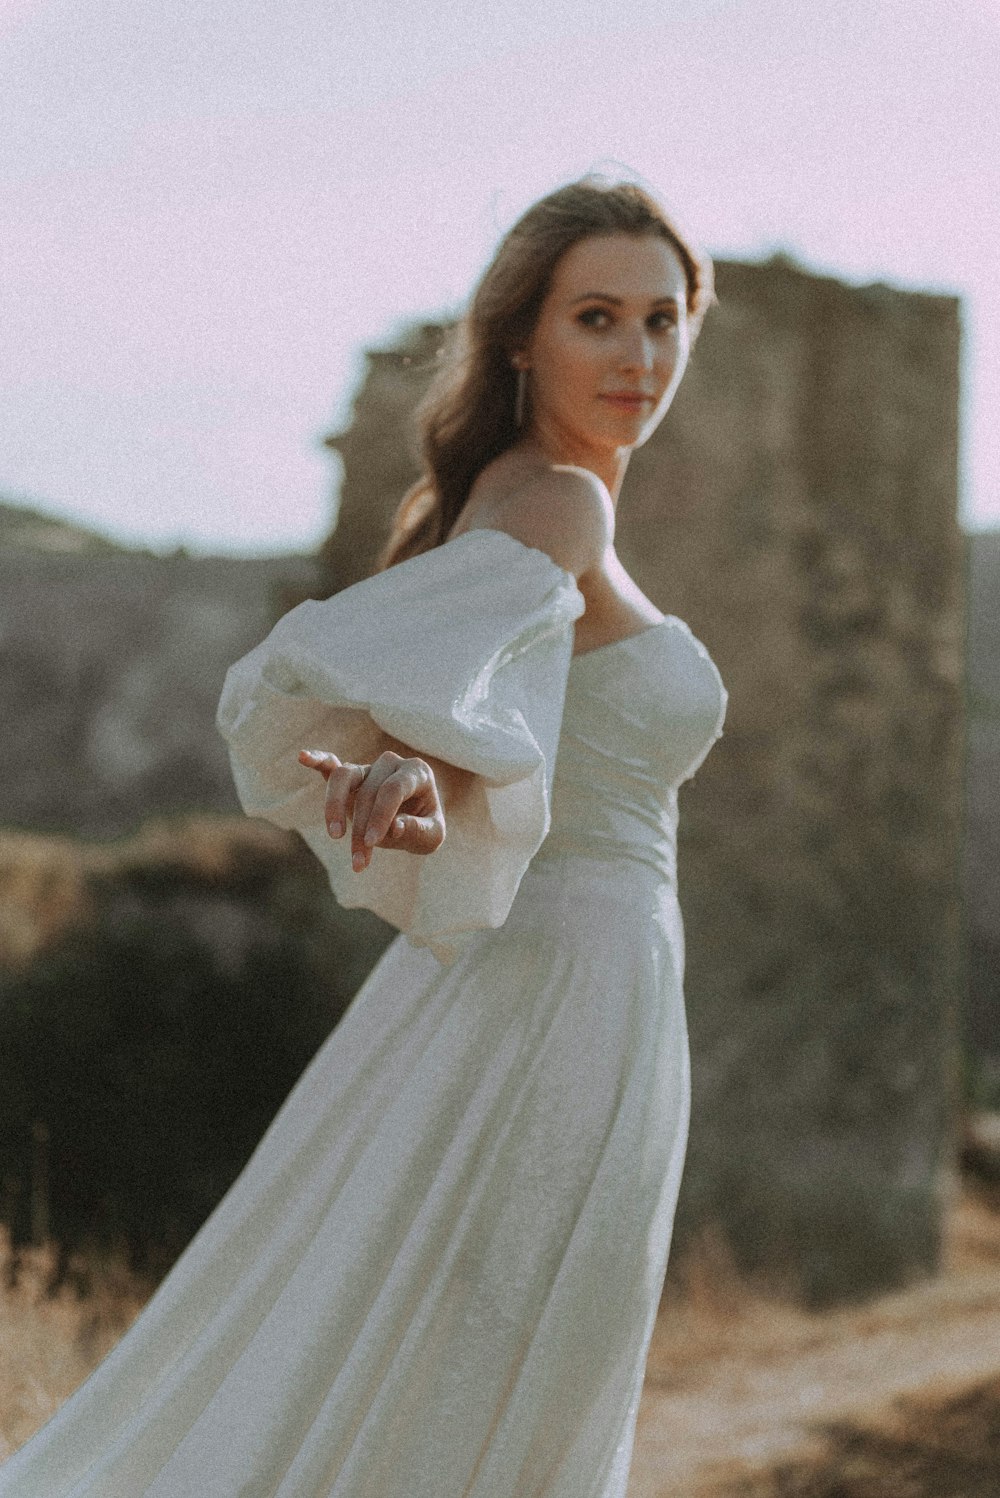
column 564, row 512
column 395, row 802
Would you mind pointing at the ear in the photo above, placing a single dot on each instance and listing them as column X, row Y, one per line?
column 518, row 359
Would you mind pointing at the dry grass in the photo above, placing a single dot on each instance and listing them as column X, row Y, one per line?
column 49, row 1344
column 745, row 1397
column 927, row 1447
column 714, row 1313
column 47, row 882
column 43, row 891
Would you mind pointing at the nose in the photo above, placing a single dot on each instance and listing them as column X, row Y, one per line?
column 636, row 351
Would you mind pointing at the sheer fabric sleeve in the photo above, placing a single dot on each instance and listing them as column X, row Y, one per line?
column 462, row 653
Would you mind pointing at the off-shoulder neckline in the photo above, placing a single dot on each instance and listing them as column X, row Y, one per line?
column 579, row 655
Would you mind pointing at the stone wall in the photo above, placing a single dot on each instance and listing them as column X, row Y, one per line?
column 798, row 508
column 378, row 451
column 981, row 861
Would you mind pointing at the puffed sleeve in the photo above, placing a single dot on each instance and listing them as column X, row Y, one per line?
column 461, row 652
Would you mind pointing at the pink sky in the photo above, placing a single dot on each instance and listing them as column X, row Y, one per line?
column 209, row 210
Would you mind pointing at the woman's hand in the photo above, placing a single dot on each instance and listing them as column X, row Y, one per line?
column 392, row 803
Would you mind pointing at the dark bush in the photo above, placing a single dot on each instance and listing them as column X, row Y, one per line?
column 155, row 1043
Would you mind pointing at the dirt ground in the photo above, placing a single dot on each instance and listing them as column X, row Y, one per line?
column 745, row 1398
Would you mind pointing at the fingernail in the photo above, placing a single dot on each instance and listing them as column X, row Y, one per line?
column 358, row 861
column 336, row 828
column 370, row 836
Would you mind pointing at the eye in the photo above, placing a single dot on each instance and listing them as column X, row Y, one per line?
column 663, row 319
column 591, row 318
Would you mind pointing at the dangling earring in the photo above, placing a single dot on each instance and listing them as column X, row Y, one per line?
column 519, row 399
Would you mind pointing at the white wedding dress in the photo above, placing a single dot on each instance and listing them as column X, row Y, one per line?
column 438, row 1274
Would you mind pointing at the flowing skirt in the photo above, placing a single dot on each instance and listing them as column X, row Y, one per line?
column 438, row 1274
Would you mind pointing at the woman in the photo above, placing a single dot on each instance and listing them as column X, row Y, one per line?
column 438, row 1274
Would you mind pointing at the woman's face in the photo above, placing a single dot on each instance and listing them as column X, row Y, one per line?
column 610, row 344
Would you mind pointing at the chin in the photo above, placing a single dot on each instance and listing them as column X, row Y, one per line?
column 628, row 431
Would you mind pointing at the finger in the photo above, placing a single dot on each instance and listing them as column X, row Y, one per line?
column 364, row 801
column 319, row 759
column 342, row 785
column 409, row 834
column 407, row 788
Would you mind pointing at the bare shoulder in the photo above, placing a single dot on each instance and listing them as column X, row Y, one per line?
column 562, row 510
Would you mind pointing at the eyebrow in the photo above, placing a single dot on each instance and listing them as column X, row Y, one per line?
column 604, row 296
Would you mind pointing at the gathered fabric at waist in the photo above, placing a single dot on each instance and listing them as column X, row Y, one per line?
column 594, row 844
column 581, row 897
column 611, row 823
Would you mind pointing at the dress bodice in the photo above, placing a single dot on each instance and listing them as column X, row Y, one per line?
column 640, row 716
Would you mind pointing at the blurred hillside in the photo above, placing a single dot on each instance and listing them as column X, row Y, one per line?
column 111, row 665
column 23, row 528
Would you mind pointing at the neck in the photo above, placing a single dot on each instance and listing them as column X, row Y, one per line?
column 608, row 464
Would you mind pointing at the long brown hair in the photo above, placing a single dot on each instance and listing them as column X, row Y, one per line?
column 466, row 419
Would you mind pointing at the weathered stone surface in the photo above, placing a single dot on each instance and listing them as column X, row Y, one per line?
column 379, row 452
column 981, row 1146
column 981, row 862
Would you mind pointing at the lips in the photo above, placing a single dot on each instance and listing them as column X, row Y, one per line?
column 630, row 399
